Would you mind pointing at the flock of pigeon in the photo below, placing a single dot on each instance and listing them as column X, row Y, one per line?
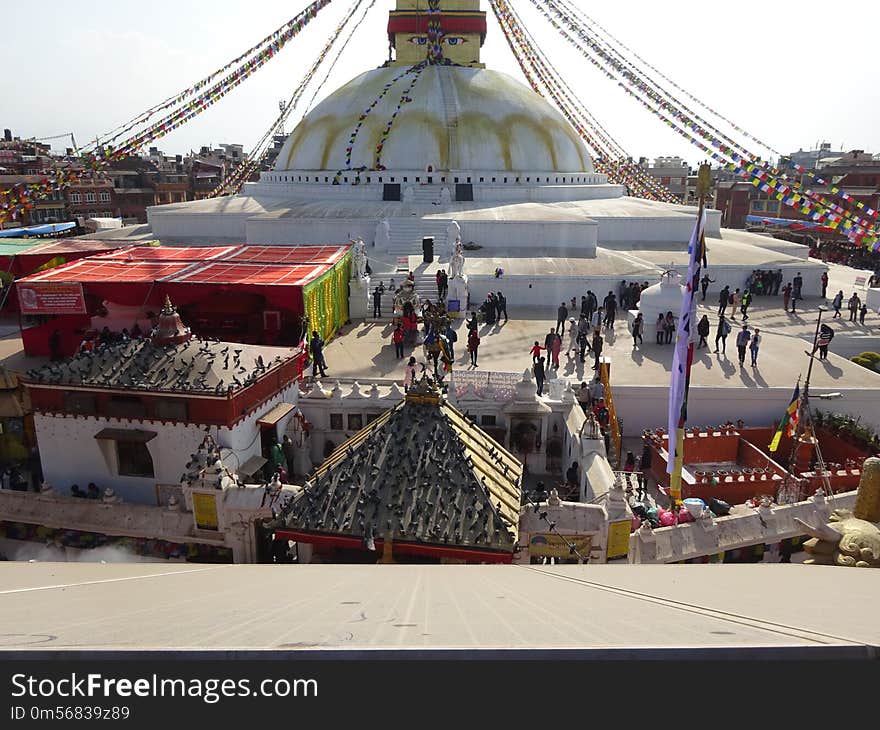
column 410, row 475
column 197, row 366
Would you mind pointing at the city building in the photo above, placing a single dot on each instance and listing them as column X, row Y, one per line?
column 136, row 409
column 673, row 173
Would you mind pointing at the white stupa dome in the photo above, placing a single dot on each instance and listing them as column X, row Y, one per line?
column 459, row 118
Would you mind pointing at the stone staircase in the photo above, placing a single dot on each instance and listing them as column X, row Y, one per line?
column 426, row 284
column 451, row 106
column 407, row 233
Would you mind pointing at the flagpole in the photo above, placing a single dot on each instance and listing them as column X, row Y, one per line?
column 703, row 186
column 804, row 431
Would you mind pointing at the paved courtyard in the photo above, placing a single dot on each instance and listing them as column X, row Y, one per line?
column 364, row 350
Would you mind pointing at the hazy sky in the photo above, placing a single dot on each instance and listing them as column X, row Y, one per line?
column 791, row 74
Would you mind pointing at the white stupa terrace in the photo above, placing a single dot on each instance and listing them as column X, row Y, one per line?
column 473, row 146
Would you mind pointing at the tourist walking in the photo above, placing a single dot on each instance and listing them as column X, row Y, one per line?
column 721, row 334
column 854, row 305
column 597, row 348
column 316, row 347
column 409, row 374
column 572, row 338
column 584, row 306
column 723, row 299
column 786, row 296
column 597, row 389
column 754, row 346
column 501, row 305
column 583, row 397
column 610, row 309
column 734, row 303
column 703, row 327
column 797, row 285
column 669, row 327
column 637, row 326
column 661, row 328
column 744, row 305
column 824, row 283
column 473, row 344
column 538, row 369
column 793, row 300
column 535, row 352
column 555, row 349
column 704, row 285
column 777, row 281
column 862, row 312
column 742, row 342
column 377, row 302
column 561, row 316
column 451, row 338
column 397, row 339
column 837, row 303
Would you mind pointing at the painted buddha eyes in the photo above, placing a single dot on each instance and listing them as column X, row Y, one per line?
column 452, row 40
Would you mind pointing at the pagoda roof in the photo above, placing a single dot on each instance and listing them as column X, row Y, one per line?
column 420, row 473
column 198, row 367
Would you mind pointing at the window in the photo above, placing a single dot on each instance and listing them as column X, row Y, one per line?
column 391, row 191
column 105, row 197
column 125, row 406
column 171, row 408
column 76, row 198
column 90, row 198
column 355, row 422
column 372, row 417
column 487, row 420
column 106, row 214
column 336, row 422
column 134, row 459
column 464, row 192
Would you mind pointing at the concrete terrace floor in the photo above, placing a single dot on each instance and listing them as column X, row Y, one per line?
column 457, row 611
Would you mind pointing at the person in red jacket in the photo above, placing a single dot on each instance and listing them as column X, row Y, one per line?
column 397, row 339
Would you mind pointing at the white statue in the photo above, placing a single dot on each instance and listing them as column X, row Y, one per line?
column 445, row 196
column 383, row 235
column 359, row 254
column 408, row 194
column 453, row 234
column 456, row 265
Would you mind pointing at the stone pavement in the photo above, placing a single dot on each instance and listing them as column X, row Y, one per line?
column 364, row 350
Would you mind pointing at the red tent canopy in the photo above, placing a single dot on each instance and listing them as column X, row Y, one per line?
column 122, row 282
column 281, row 285
column 289, row 254
column 169, row 253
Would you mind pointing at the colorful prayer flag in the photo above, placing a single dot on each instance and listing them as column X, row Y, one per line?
column 789, row 420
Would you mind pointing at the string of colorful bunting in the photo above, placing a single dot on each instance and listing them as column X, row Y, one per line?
column 171, row 101
column 233, row 183
column 21, row 198
column 719, row 150
column 638, row 182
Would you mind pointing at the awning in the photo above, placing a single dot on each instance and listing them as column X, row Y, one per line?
column 122, row 434
column 252, row 465
column 276, row 414
column 41, row 230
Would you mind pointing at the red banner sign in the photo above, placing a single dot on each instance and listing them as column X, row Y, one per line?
column 51, row 298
